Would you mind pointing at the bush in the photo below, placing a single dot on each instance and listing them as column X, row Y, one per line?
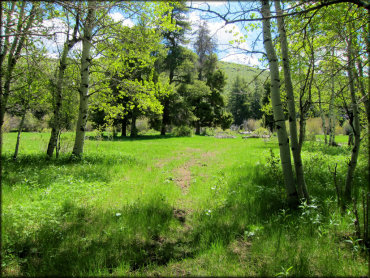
column 314, row 126
column 261, row 131
column 208, row 131
column 7, row 125
column 251, row 124
column 182, row 131
column 310, row 136
column 226, row 120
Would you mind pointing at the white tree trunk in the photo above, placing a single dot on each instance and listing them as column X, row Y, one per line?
column 302, row 190
column 277, row 106
column 331, row 111
column 58, row 90
column 84, row 84
column 356, row 126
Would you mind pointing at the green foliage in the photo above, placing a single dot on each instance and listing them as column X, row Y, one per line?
column 237, row 103
column 182, row 131
column 226, row 120
column 261, row 131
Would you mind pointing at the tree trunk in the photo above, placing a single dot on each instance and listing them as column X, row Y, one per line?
column 165, row 116
column 197, row 128
column 85, row 75
column 166, row 108
column 302, row 131
column 14, row 54
column 58, row 89
column 133, row 125
column 124, row 127
column 356, row 126
column 58, row 102
column 302, row 189
column 277, row 107
column 322, row 115
column 331, row 112
column 20, row 127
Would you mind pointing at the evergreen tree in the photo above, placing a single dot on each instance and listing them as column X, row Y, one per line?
column 238, row 101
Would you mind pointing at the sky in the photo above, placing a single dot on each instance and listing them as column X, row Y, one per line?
column 225, row 34
column 222, row 34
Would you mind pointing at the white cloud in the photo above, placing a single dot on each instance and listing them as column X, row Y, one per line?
column 54, row 44
column 119, row 17
column 204, row 4
column 241, row 58
column 223, row 35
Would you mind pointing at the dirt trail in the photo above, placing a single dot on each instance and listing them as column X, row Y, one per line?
column 183, row 176
column 182, row 173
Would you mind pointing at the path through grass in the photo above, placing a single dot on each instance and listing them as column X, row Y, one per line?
column 171, row 206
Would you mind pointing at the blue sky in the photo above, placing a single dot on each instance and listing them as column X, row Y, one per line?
column 221, row 33
column 224, row 34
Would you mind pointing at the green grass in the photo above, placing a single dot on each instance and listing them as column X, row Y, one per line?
column 172, row 206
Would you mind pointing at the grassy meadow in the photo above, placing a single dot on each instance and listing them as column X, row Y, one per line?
column 173, row 206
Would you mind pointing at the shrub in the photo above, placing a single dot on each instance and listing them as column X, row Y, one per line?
column 208, row 131
column 310, row 136
column 182, row 131
column 251, row 124
column 226, row 120
column 314, row 126
column 261, row 131
column 7, row 125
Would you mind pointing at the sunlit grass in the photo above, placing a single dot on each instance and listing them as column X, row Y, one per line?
column 173, row 207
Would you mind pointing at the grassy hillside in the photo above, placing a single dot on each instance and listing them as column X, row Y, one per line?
column 246, row 72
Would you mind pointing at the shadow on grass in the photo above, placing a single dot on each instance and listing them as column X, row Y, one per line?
column 128, row 138
column 320, row 147
column 39, row 171
column 86, row 240
column 83, row 241
column 253, row 199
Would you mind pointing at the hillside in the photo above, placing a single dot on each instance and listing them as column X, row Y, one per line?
column 246, row 72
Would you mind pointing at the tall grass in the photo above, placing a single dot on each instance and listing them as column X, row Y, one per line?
column 173, row 206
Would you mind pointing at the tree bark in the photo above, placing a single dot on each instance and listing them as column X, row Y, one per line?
column 14, row 54
column 20, row 127
column 322, row 115
column 58, row 90
column 124, row 127
column 133, row 132
column 165, row 116
column 331, row 111
column 197, row 128
column 166, row 108
column 85, row 76
column 278, row 112
column 296, row 150
column 356, row 126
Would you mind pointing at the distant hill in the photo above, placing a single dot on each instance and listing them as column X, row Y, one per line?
column 246, row 72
